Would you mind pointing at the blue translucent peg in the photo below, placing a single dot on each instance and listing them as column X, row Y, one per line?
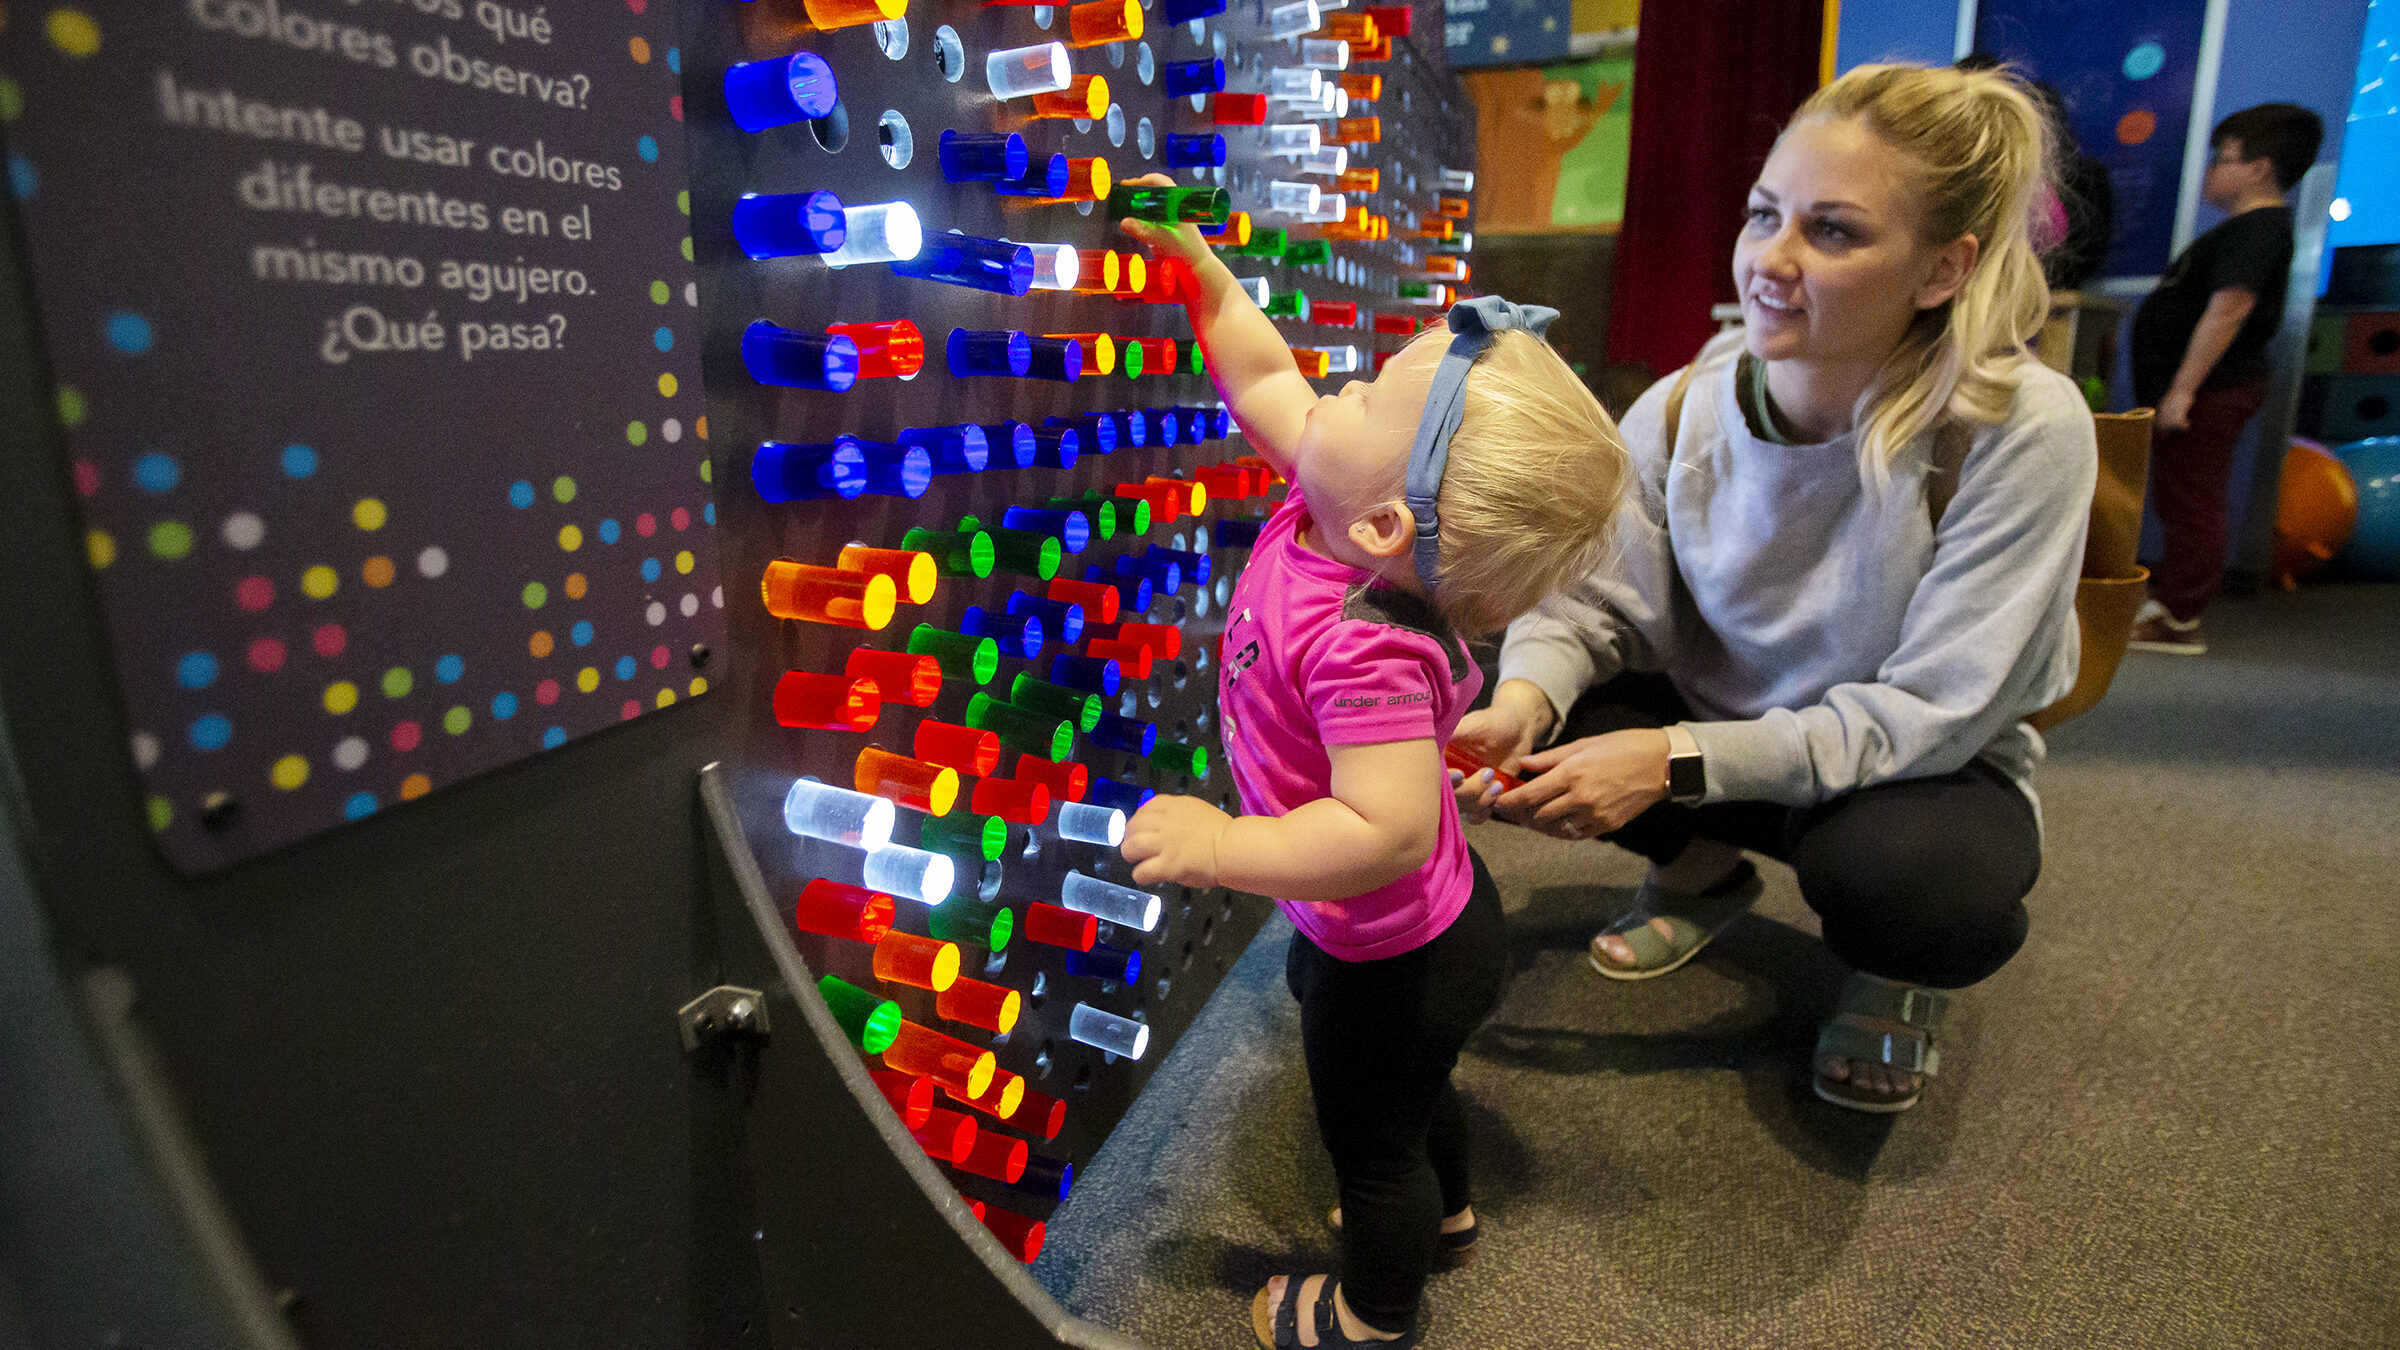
column 1194, row 565
column 1057, row 359
column 1042, row 178
column 982, row 156
column 897, row 470
column 1137, row 427
column 1220, row 423
column 1122, row 733
column 1045, row 1178
column 778, row 355
column 1063, row 618
column 1073, row 529
column 1103, row 962
column 1179, row 78
column 988, row 351
column 1164, row 573
column 1011, row 442
column 1017, row 634
column 1184, row 11
column 1194, row 152
column 1125, row 797
column 1099, row 431
column 1092, row 674
column 981, row 264
column 959, row 449
column 1232, row 534
column 1056, row 447
column 1200, row 424
column 763, row 94
column 784, row 472
column 1168, row 426
column 1133, row 590
column 786, row 224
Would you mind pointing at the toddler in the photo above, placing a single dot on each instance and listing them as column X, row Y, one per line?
column 1436, row 501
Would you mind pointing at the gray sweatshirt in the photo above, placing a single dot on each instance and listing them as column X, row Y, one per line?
column 1826, row 638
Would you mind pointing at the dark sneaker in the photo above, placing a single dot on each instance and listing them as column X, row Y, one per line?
column 2161, row 633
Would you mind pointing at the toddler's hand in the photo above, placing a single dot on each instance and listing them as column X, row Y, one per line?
column 1175, row 839
column 1475, row 795
column 1182, row 241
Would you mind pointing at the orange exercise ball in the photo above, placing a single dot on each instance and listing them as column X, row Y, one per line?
column 2314, row 516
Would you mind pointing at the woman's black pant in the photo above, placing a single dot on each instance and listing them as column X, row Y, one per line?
column 1380, row 1038
column 1922, row 880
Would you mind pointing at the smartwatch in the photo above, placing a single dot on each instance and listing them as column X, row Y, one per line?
column 1687, row 775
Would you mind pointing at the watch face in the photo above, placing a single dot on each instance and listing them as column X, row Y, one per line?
column 1687, row 778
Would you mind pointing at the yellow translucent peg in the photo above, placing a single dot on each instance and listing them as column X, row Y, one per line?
column 1100, row 21
column 851, row 13
column 1085, row 97
column 913, row 574
column 829, row 595
column 1099, row 351
column 1101, row 269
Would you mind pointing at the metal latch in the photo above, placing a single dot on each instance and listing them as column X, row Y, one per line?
column 728, row 1008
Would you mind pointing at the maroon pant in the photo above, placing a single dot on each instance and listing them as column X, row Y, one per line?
column 2191, row 473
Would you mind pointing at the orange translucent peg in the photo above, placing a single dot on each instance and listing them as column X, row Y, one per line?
column 893, row 349
column 1133, row 277
column 1237, row 231
column 962, row 748
column 834, row 909
column 992, row 1007
column 1448, row 267
column 1314, row 365
column 1371, row 51
column 814, row 702
column 1099, row 269
column 947, row 1135
column 1088, row 180
column 1018, row 803
column 914, row 575
column 1131, row 657
column 1357, row 131
column 1362, row 88
column 834, row 595
column 1099, row 601
column 898, row 676
column 959, row 1068
column 852, row 13
column 1085, row 98
column 1067, row 781
column 911, row 1097
column 1361, row 180
column 1003, row 1098
column 1456, row 207
column 1099, row 21
column 913, row 783
column 1099, row 351
column 1189, row 495
column 1435, row 229
column 1349, row 28
column 1165, row 639
column 998, row 1156
column 920, row 962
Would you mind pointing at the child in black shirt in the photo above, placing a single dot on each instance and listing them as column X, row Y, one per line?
column 2199, row 357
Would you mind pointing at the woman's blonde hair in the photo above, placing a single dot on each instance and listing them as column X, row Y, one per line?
column 1531, row 491
column 1984, row 148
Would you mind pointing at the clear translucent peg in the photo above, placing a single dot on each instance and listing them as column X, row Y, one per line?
column 1042, row 68
column 889, row 232
column 1340, row 360
column 1292, row 138
column 1293, row 199
column 1324, row 54
column 1105, row 1030
column 1330, row 160
column 1337, row 101
column 1458, row 180
column 1088, row 824
column 1255, row 288
column 1054, row 266
column 1109, row 901
column 815, row 810
column 1296, row 82
column 911, row 873
column 1332, row 206
column 1290, row 21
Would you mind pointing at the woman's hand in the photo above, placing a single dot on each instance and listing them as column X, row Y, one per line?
column 1181, row 241
column 1175, row 839
column 1591, row 787
column 1499, row 735
column 2175, row 411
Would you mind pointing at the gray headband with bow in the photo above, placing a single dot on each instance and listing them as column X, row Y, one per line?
column 1478, row 324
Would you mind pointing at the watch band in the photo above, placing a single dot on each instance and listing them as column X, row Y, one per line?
column 1687, row 772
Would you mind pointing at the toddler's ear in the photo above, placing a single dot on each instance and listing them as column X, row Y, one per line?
column 1385, row 532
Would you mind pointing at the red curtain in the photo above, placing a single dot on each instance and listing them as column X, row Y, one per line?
column 1713, row 82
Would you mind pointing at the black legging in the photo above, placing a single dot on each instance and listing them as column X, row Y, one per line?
column 1380, row 1038
column 1922, row 880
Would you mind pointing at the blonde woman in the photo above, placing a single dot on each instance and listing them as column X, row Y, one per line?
column 1852, row 573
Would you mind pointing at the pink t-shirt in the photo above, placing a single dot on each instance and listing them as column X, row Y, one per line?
column 1317, row 655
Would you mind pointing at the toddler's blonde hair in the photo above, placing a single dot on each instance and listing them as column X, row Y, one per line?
column 1529, row 498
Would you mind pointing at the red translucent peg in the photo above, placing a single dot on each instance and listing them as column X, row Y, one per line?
column 835, row 909
column 1190, row 497
column 834, row 595
column 1099, row 602
column 913, row 783
column 919, row 962
column 954, row 1066
column 998, row 1156
column 1341, row 312
column 1163, row 638
column 1170, row 280
column 1380, row 358
column 1058, row 926
column 898, row 677
column 947, row 1135
column 913, row 573
column 1020, row 803
column 1158, row 354
column 1227, row 482
column 1394, row 19
column 993, row 1007
column 1003, row 1099
column 888, row 350
column 1132, row 657
column 1066, row 781
column 911, row 1097
column 962, row 748
column 816, row 702
column 976, row 1207
column 1166, row 505
column 1398, row 325
column 1239, row 110
column 1020, row 1234
column 1040, row 1113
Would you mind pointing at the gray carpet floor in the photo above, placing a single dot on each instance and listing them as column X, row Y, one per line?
column 2173, row 1120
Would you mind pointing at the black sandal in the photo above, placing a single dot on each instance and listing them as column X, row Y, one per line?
column 1276, row 1321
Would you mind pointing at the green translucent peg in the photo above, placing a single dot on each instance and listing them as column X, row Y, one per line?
column 966, row 552
column 1027, row 553
column 1195, row 205
column 1415, row 290
column 1102, row 511
column 1004, row 925
column 972, row 922
column 1141, row 516
column 966, row 834
column 1176, row 757
column 1057, row 700
column 870, row 1021
column 1023, row 729
column 1289, row 305
column 1195, row 364
column 961, row 656
column 1309, row 251
column 1129, row 359
column 1263, row 244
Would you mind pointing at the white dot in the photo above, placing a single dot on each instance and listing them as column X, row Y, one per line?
column 690, row 605
column 432, row 562
column 350, row 754
column 244, row 530
column 691, row 293
column 657, row 614
column 671, row 429
column 716, row 598
column 145, row 750
column 2340, row 210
